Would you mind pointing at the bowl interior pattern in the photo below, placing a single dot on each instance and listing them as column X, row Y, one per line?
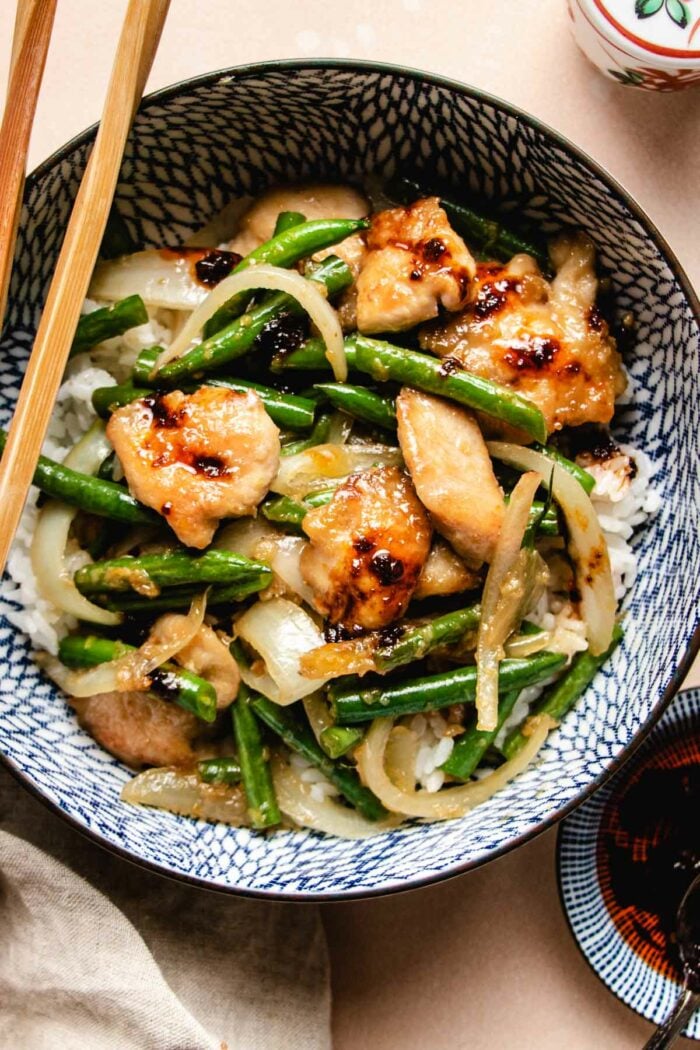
column 639, row 985
column 194, row 147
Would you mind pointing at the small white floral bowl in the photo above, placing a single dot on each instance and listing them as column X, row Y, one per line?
column 649, row 44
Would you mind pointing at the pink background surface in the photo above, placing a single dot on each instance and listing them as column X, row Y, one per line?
column 483, row 962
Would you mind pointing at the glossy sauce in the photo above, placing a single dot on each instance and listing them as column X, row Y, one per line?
column 649, row 850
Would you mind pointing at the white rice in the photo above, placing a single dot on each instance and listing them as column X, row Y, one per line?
column 321, row 787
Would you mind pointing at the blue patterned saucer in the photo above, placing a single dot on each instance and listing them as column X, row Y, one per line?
column 612, row 862
column 195, row 146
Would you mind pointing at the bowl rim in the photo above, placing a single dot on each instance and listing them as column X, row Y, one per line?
column 256, row 69
column 559, row 865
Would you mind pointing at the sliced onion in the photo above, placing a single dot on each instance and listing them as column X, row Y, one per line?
column 340, row 429
column 308, row 293
column 163, row 278
column 310, row 470
column 297, row 802
column 256, row 538
column 318, row 713
column 522, row 645
column 169, row 635
column 502, row 599
column 334, row 659
column 48, row 551
column 400, row 757
column 185, row 794
column 451, row 802
column 280, row 632
column 587, row 546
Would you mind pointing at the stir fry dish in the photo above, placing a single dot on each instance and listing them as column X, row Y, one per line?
column 331, row 530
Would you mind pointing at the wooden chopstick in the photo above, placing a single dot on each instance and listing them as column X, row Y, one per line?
column 33, row 24
column 137, row 46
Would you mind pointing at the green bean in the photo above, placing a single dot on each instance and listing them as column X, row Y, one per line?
column 107, row 322
column 287, row 511
column 181, row 597
column 287, row 220
column 219, row 771
column 361, row 403
column 489, row 234
column 383, row 362
column 238, row 337
column 167, row 682
column 298, row 737
column 284, row 249
column 255, row 767
column 562, row 696
column 471, row 746
column 105, row 471
column 150, row 572
column 318, row 436
column 106, row 399
column 336, row 741
column 361, row 702
column 586, row 480
column 416, row 641
column 103, row 498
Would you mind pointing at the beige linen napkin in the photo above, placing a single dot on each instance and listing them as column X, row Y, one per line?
column 96, row 953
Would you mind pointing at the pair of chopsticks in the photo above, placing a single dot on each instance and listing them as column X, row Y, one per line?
column 135, row 53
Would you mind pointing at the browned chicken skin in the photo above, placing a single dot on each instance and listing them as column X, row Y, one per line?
column 547, row 340
column 451, row 469
column 139, row 729
column 197, row 458
column 368, row 546
column 415, row 264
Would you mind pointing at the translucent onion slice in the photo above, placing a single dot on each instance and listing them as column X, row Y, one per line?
column 587, row 546
column 318, row 713
column 400, row 757
column 280, row 632
column 298, row 804
column 185, row 794
column 256, row 538
column 48, row 550
column 168, row 636
column 450, row 802
column 521, row 645
column 162, row 277
column 310, row 470
column 499, row 605
column 308, row 293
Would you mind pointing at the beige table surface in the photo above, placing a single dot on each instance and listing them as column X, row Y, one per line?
column 484, row 962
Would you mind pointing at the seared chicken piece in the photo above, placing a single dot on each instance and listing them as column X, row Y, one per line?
column 207, row 656
column 197, row 458
column 415, row 264
column 451, row 469
column 139, row 729
column 444, row 573
column 548, row 341
column 368, row 546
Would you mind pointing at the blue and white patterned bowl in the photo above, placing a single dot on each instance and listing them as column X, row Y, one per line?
column 193, row 147
column 582, row 870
